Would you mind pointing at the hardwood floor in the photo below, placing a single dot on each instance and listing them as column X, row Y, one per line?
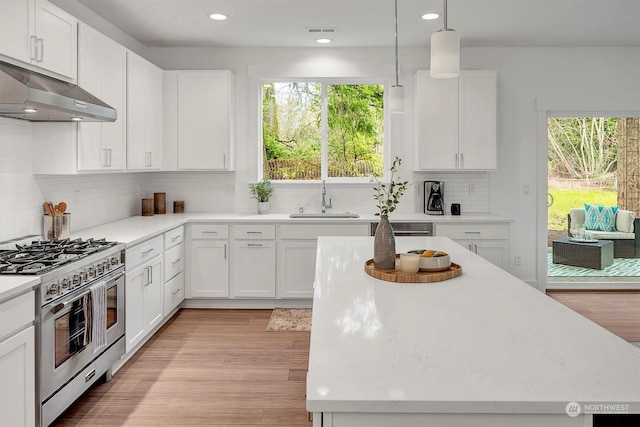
column 222, row 368
column 207, row 368
column 616, row 311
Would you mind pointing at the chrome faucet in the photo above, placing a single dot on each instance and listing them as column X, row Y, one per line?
column 324, row 206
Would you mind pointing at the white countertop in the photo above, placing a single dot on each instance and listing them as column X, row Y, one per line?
column 484, row 342
column 134, row 230
column 11, row 286
column 137, row 229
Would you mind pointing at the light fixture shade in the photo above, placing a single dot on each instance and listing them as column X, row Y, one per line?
column 396, row 99
column 445, row 54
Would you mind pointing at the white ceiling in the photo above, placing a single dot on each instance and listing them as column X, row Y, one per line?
column 370, row 23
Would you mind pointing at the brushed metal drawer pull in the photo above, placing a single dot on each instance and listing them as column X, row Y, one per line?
column 472, row 232
column 176, row 261
column 209, row 232
column 254, row 245
column 176, row 291
column 254, row 232
column 175, row 237
column 147, row 252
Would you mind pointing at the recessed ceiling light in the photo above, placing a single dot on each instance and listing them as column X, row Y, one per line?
column 76, row 119
column 29, row 110
column 323, row 41
column 430, row 16
column 218, row 16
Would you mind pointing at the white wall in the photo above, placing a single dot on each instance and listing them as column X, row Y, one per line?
column 523, row 75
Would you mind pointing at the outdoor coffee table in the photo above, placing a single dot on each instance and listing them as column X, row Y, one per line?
column 595, row 254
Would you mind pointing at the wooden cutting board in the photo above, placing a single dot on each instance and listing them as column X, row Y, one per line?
column 396, row 275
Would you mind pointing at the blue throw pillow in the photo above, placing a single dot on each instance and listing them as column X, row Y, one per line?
column 600, row 218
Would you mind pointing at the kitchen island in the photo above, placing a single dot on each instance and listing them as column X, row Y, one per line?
column 482, row 349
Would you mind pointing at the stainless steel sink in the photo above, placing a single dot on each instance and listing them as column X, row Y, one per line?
column 324, row 215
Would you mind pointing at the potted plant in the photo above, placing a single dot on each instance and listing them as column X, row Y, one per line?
column 261, row 191
column 388, row 196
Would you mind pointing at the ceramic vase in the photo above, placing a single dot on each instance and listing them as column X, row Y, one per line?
column 263, row 207
column 384, row 245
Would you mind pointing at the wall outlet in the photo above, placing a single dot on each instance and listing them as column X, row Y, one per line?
column 76, row 202
column 472, row 188
column 526, row 190
column 229, row 188
column 517, row 260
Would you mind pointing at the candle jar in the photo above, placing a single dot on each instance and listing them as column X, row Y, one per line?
column 409, row 263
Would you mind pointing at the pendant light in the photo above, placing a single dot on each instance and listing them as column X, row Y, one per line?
column 445, row 51
column 396, row 98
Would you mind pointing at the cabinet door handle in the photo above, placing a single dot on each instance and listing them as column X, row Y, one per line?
column 33, row 48
column 209, row 232
column 254, row 232
column 224, row 160
column 40, row 50
column 471, row 232
column 475, row 248
column 175, row 261
column 109, row 149
column 148, row 271
column 105, row 156
column 176, row 291
column 254, row 245
column 470, row 246
column 461, row 160
column 225, row 251
column 174, row 238
column 148, row 159
column 147, row 252
column 456, row 159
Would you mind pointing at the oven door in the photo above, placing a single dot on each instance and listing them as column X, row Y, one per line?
column 65, row 348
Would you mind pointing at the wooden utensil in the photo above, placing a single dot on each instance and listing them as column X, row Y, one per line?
column 47, row 208
column 60, row 208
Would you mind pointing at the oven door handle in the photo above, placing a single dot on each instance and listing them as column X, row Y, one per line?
column 61, row 306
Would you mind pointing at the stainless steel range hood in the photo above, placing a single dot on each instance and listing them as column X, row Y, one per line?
column 28, row 95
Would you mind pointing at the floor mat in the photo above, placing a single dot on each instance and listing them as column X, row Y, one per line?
column 622, row 267
column 290, row 319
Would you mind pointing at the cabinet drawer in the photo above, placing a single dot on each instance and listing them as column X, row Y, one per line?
column 16, row 313
column 306, row 232
column 473, row 231
column 254, row 231
column 209, row 231
column 173, row 262
column 173, row 237
column 173, row 293
column 143, row 252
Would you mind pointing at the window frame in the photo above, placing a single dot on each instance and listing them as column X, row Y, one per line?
column 326, row 81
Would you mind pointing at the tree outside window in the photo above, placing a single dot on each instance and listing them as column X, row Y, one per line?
column 318, row 130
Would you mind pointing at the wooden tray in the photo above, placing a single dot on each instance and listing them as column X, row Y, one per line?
column 396, row 275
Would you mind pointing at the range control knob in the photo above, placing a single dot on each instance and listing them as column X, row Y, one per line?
column 53, row 290
column 64, row 284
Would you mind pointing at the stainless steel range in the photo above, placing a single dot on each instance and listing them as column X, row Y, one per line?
column 79, row 315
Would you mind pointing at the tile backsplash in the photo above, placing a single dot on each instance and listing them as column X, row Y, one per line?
column 95, row 199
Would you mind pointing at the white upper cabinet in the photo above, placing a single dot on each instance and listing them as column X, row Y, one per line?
column 39, row 33
column 199, row 120
column 455, row 123
column 144, row 114
column 102, row 71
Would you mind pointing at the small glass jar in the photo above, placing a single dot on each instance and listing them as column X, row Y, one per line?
column 409, row 263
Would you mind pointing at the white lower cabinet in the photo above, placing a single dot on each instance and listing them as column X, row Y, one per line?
column 145, row 303
column 297, row 255
column 17, row 361
column 490, row 241
column 296, row 268
column 208, row 274
column 173, row 293
column 254, row 273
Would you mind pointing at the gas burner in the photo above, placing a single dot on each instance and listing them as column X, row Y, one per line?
column 45, row 255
